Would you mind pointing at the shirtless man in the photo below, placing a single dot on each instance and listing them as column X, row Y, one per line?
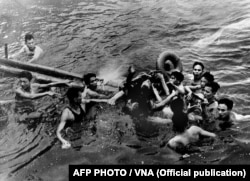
column 226, row 117
column 71, row 115
column 180, row 122
column 191, row 135
column 33, row 51
column 26, row 91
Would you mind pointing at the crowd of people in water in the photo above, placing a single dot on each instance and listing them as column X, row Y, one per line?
column 191, row 106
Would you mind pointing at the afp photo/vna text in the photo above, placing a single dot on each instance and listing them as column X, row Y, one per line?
column 193, row 172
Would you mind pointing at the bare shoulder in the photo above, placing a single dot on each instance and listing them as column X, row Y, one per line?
column 67, row 114
column 193, row 127
column 39, row 48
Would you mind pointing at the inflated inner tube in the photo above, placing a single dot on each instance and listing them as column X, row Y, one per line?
column 168, row 62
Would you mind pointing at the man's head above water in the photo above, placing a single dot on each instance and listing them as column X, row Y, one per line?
column 225, row 106
column 90, row 80
column 25, row 78
column 29, row 41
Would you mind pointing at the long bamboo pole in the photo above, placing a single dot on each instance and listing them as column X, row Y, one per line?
column 53, row 72
column 14, row 72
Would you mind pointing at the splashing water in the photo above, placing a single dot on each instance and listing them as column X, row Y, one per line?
column 112, row 71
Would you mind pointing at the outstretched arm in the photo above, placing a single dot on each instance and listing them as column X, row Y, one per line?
column 53, row 84
column 95, row 94
column 206, row 133
column 117, row 96
column 33, row 95
column 239, row 117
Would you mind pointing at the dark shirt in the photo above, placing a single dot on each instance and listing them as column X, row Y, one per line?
column 78, row 118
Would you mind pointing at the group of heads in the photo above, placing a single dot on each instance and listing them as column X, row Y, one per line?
column 210, row 88
column 208, row 85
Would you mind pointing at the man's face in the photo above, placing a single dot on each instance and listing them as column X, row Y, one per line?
column 223, row 111
column 30, row 44
column 173, row 80
column 78, row 99
column 25, row 83
column 197, row 71
column 93, row 83
column 208, row 92
column 203, row 82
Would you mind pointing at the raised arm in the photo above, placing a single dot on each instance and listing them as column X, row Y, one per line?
column 164, row 102
column 156, row 93
column 180, row 88
column 164, row 85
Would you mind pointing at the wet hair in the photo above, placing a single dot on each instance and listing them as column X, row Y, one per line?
column 229, row 103
column 178, row 75
column 214, row 85
column 177, row 105
column 179, row 119
column 73, row 93
column 86, row 78
column 208, row 76
column 26, row 74
column 28, row 36
column 199, row 63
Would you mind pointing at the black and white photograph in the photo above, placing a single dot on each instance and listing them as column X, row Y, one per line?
column 161, row 84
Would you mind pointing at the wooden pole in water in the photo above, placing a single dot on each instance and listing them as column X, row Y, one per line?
column 53, row 72
column 6, row 50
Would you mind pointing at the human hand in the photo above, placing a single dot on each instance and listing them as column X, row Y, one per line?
column 111, row 102
column 53, row 94
column 189, row 96
column 65, row 144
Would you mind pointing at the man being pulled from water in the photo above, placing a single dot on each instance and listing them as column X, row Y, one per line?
column 226, row 117
column 71, row 115
column 185, row 135
column 33, row 51
column 141, row 94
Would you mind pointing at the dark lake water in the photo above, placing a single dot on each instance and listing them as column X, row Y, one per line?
column 102, row 35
